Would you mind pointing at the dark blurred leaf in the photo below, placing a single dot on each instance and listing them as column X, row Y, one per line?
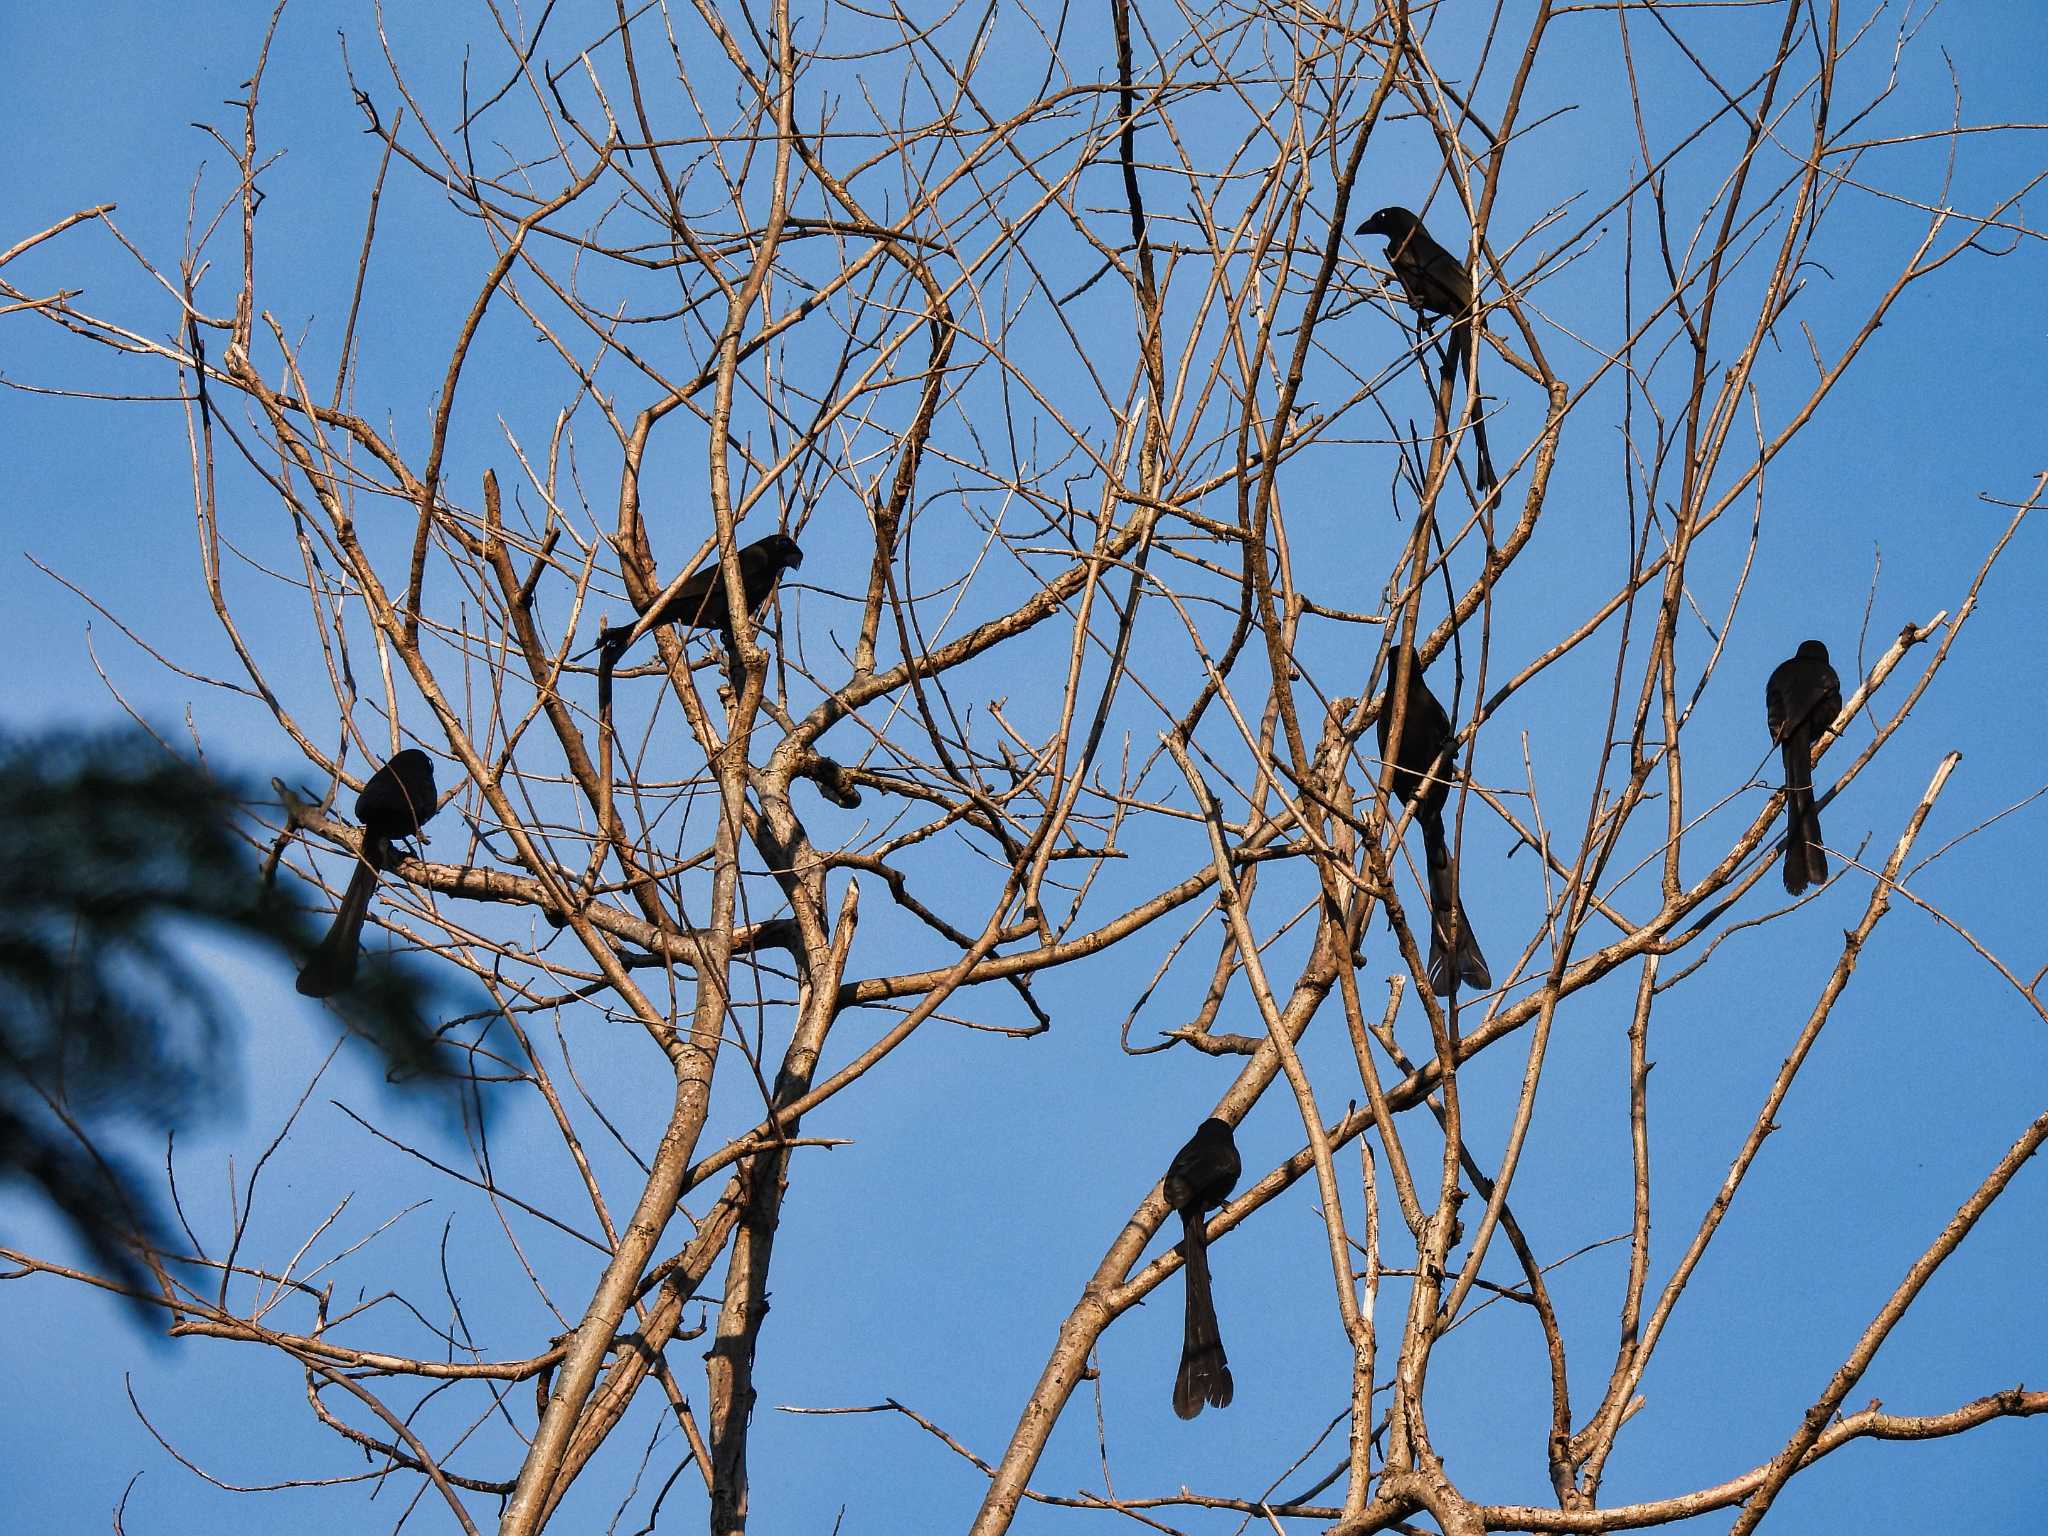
column 105, row 842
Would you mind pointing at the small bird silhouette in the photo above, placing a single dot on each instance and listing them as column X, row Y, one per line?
column 1199, row 1179
column 699, row 603
column 1422, row 778
column 1801, row 701
column 398, row 798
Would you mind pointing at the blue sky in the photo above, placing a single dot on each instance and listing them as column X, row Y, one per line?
column 914, row 1263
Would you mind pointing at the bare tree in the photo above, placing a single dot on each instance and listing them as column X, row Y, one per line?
column 1121, row 480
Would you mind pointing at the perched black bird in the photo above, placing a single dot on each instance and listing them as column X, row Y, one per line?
column 399, row 797
column 700, row 603
column 1801, row 700
column 1199, row 1179
column 1431, row 276
column 1422, row 778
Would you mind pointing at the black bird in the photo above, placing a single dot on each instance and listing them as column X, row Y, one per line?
column 1801, row 700
column 1199, row 1179
column 700, row 603
column 1431, row 276
column 399, row 797
column 1422, row 778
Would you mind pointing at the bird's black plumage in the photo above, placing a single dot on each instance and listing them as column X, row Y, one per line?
column 700, row 603
column 1422, row 779
column 1198, row 1180
column 1801, row 701
column 398, row 798
column 1431, row 276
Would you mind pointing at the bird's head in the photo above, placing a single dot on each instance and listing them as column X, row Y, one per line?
column 412, row 766
column 1812, row 650
column 399, row 796
column 785, row 551
column 1391, row 222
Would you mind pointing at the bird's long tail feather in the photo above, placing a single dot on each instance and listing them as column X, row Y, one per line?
column 332, row 966
column 1450, row 931
column 1204, row 1376
column 1805, row 863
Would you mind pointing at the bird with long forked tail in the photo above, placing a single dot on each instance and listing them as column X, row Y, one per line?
column 397, row 800
column 1422, row 779
column 1801, row 701
column 1199, row 1179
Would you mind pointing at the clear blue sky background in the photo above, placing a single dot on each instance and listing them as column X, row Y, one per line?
column 1928, row 1071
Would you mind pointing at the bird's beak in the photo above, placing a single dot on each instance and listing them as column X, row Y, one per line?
column 796, row 558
